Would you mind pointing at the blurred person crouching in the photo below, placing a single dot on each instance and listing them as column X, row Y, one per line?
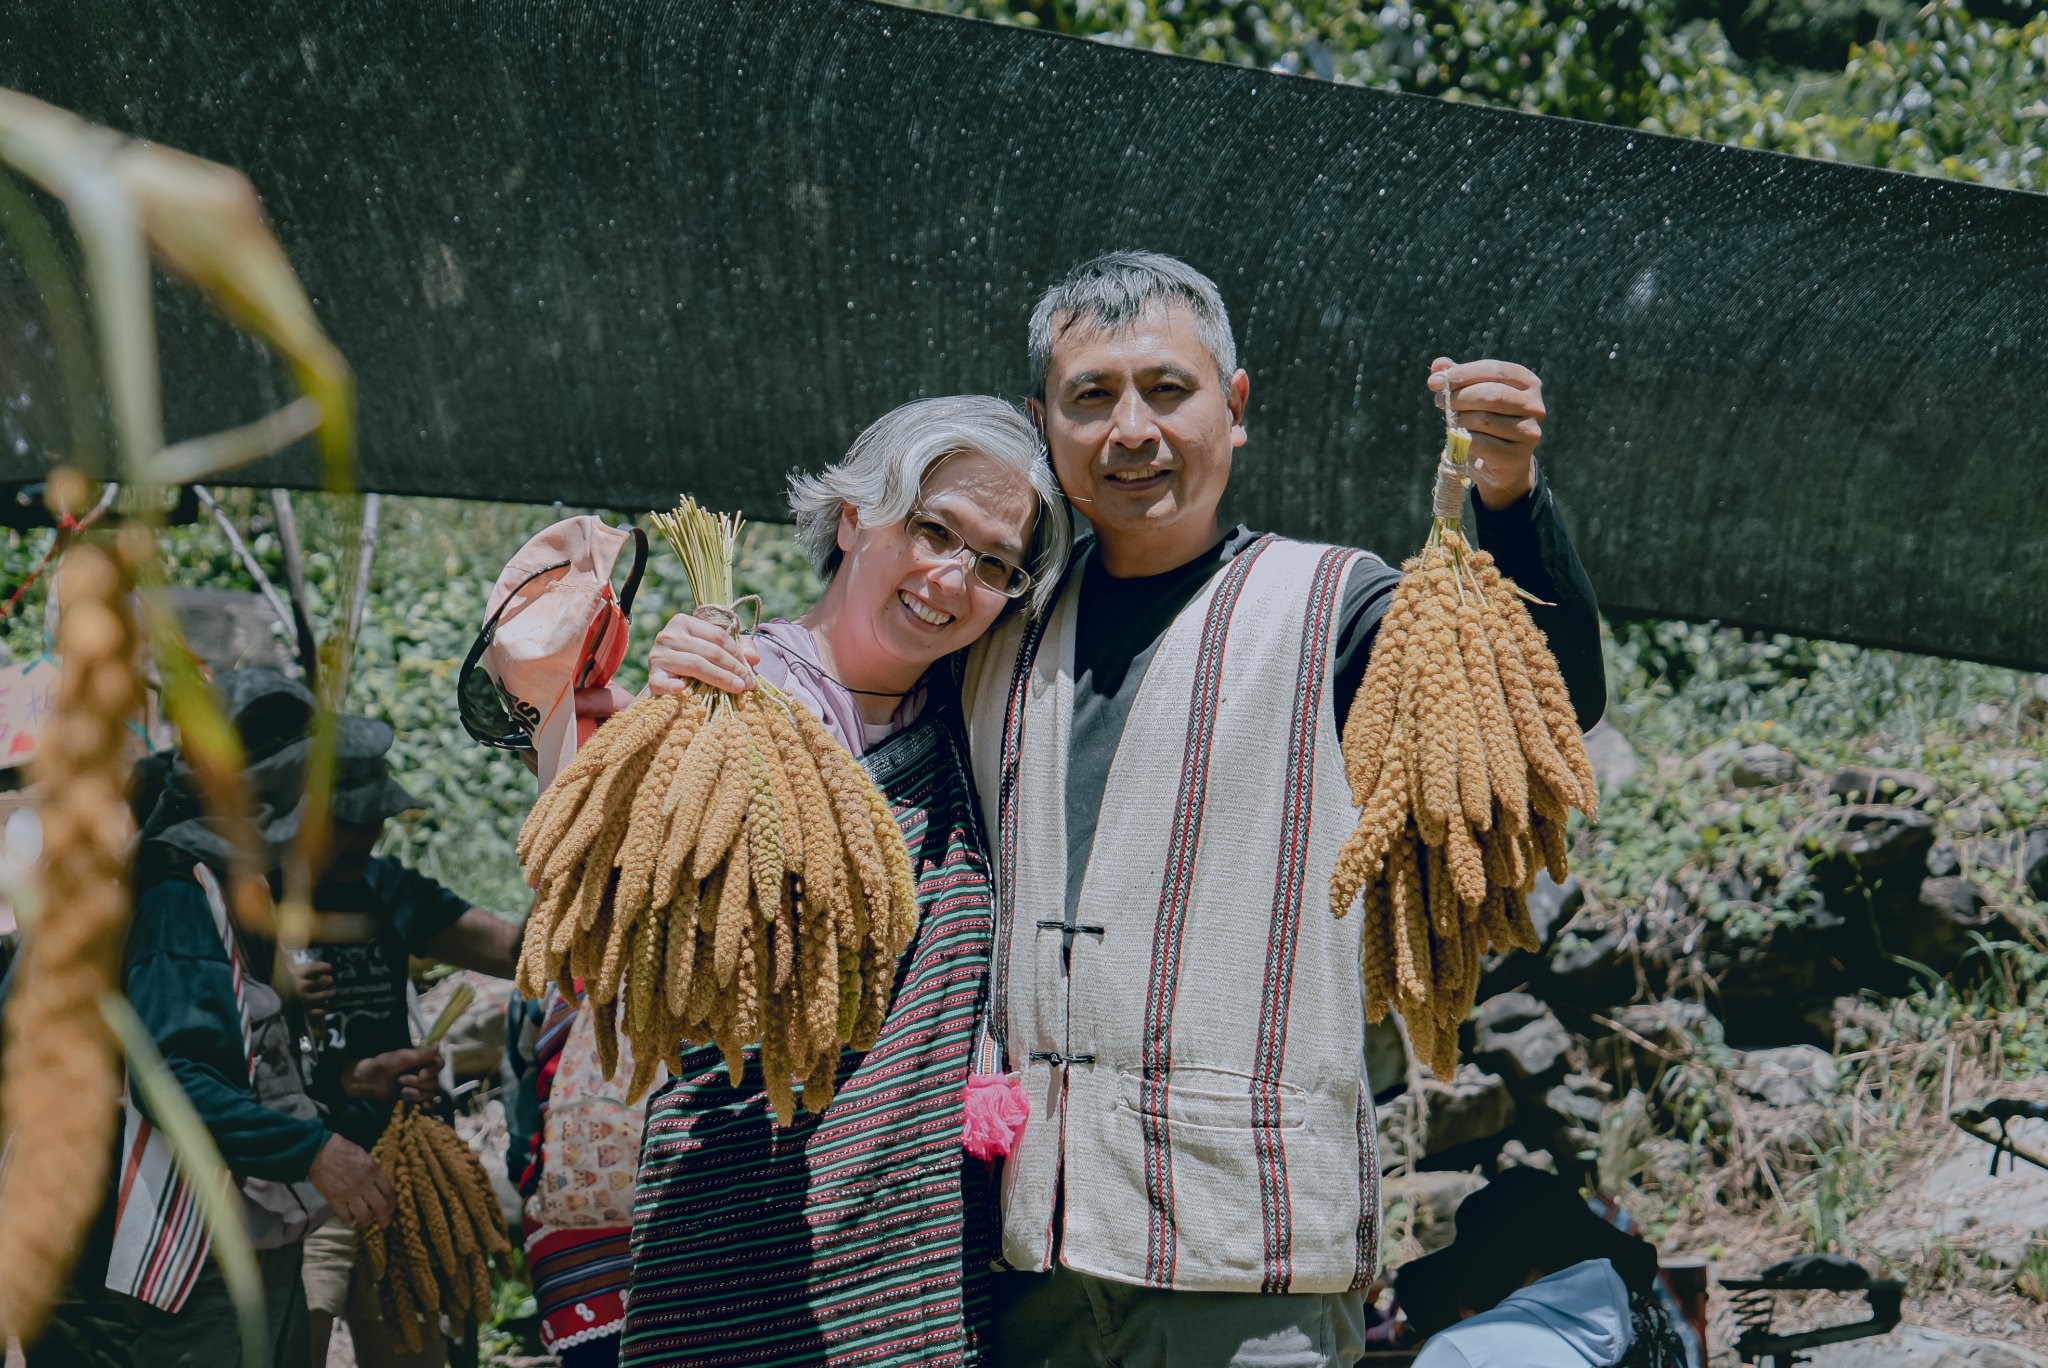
column 373, row 914
column 146, row 1292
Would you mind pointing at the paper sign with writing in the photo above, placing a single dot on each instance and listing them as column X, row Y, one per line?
column 28, row 698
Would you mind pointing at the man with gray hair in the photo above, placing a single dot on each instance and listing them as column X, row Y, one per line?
column 1199, row 1177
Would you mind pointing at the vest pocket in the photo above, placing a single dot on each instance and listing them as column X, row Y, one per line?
column 1216, row 1099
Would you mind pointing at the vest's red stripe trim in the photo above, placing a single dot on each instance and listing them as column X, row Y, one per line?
column 1175, row 888
column 1296, row 804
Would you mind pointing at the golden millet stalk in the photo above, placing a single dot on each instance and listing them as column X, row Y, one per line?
column 1369, row 728
column 697, row 776
column 472, row 1184
column 704, row 973
column 599, row 872
column 427, row 1199
column 1377, row 951
column 764, row 832
column 824, row 865
column 1364, row 852
column 1467, row 866
column 792, row 827
column 784, row 935
column 643, row 981
column 1531, row 730
column 618, row 953
column 60, row 1083
column 902, row 878
column 727, row 814
column 681, row 952
column 1413, row 970
column 1507, row 769
column 847, row 785
column 647, row 821
column 604, row 1029
column 1475, row 791
column 638, row 732
column 407, row 1220
column 405, row 1312
column 1558, row 714
column 734, row 913
column 550, row 816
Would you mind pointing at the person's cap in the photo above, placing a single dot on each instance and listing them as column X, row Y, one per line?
column 1507, row 1226
column 364, row 791
column 268, row 709
column 552, row 626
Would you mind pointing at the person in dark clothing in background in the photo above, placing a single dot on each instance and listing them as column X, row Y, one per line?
column 374, row 914
column 145, row 1292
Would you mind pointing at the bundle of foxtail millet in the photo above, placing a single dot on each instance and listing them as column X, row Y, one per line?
column 718, row 868
column 434, row 1258
column 59, row 1103
column 1464, row 756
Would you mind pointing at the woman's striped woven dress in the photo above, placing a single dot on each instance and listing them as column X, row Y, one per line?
column 847, row 1238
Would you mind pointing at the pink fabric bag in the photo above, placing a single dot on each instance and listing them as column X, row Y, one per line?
column 554, row 626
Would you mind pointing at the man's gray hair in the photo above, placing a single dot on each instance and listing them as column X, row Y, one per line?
column 1116, row 290
column 884, row 471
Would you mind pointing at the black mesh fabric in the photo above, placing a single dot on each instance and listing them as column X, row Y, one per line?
column 605, row 251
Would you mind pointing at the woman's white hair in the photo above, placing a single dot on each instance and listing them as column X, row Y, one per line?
column 884, row 471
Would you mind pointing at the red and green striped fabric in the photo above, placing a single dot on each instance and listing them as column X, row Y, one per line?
column 862, row 1237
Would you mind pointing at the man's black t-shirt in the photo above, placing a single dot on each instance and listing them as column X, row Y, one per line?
column 399, row 911
column 1122, row 620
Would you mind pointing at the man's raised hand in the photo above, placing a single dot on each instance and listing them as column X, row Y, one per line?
column 1501, row 405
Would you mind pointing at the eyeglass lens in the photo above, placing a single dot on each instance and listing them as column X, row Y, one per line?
column 941, row 542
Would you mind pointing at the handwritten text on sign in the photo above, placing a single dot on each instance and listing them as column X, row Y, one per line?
column 28, row 697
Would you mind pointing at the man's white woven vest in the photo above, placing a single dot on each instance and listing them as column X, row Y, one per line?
column 1196, row 1065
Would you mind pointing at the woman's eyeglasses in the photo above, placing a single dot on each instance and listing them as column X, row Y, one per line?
column 934, row 540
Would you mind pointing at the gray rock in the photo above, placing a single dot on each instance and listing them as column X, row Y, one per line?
column 1474, row 1107
column 1790, row 1076
column 1913, row 1346
column 1613, row 758
column 1552, row 905
column 1386, row 1058
column 1519, row 1038
column 1762, row 767
column 1869, row 784
column 1514, row 1154
column 1957, row 1202
column 1507, row 1012
column 1867, row 861
column 1579, row 1100
column 1432, row 1201
column 229, row 628
column 1956, row 916
column 2034, row 862
column 1709, row 763
column 1872, row 835
column 1652, row 1035
column 1771, row 974
column 1590, row 970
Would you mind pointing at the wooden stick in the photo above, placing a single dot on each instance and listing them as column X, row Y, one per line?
column 245, row 555
column 295, row 581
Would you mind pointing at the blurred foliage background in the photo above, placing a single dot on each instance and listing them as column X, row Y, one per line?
column 1940, row 90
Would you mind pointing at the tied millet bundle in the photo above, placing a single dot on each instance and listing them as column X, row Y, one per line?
column 718, row 868
column 60, row 1099
column 434, row 1257
column 1464, row 757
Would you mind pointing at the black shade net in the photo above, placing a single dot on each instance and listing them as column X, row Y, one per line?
column 605, row 252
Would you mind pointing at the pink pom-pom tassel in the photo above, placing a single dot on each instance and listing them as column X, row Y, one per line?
column 996, row 1110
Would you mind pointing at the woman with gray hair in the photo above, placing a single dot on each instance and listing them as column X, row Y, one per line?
column 861, row 1236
